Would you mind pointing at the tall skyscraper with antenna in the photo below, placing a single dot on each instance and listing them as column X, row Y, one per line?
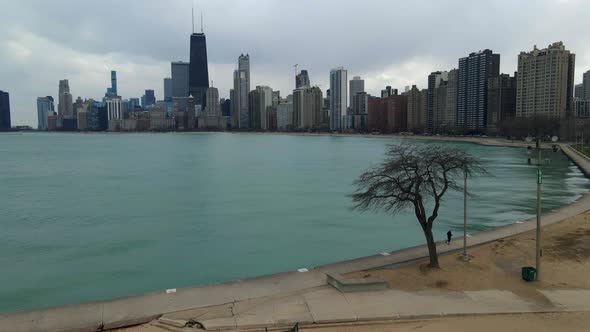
column 198, row 68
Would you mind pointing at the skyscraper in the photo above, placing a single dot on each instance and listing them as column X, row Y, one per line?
column 434, row 81
column 114, row 82
column 4, row 111
column 198, row 70
column 356, row 85
column 180, row 79
column 450, row 119
column 45, row 106
column 241, row 89
column 501, row 100
column 302, row 80
column 213, row 106
column 338, row 97
column 472, row 88
column 586, row 84
column 307, row 107
column 417, row 101
column 579, row 91
column 168, row 89
column 148, row 99
column 66, row 105
column 545, row 82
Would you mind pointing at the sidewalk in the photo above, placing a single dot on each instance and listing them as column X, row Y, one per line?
column 325, row 304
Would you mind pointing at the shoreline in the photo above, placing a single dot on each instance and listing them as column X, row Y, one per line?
column 133, row 310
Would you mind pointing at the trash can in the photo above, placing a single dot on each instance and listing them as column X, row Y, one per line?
column 529, row 273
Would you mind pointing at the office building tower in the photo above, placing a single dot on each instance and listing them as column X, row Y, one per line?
column 65, row 106
column 501, row 100
column 579, row 91
column 45, row 107
column 225, row 107
column 582, row 108
column 434, row 80
column 356, row 85
column 240, row 114
column 338, row 98
column 473, row 75
column 198, row 69
column 148, row 99
column 5, row 123
column 545, row 82
column 213, row 106
column 357, row 119
column 285, row 116
column 260, row 100
column 168, row 84
column 180, row 79
column 302, row 80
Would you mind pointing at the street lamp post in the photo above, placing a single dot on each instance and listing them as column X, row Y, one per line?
column 465, row 256
column 538, row 249
column 538, row 245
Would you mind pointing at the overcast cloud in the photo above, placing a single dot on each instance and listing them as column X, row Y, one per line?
column 387, row 42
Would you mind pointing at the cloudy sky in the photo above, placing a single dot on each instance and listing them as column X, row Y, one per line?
column 386, row 42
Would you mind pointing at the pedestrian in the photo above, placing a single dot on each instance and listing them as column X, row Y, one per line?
column 449, row 236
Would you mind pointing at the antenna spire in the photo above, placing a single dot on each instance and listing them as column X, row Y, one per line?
column 201, row 21
column 193, row 11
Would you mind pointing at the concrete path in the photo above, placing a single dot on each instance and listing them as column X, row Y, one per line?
column 325, row 304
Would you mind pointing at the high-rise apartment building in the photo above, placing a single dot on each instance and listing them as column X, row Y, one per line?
column 285, row 116
column 260, row 100
column 586, row 85
column 5, row 123
column 472, row 88
column 302, row 80
column 432, row 110
column 416, row 114
column 501, row 100
column 450, row 117
column 240, row 114
column 338, row 98
column 545, row 82
column 198, row 69
column 213, row 105
column 45, row 107
column 387, row 115
column 180, row 79
column 307, row 108
column 356, row 85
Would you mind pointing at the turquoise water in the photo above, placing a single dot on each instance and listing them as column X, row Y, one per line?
column 95, row 216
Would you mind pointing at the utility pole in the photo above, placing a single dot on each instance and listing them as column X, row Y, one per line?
column 539, row 182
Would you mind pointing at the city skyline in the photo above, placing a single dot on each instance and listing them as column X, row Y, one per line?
column 33, row 59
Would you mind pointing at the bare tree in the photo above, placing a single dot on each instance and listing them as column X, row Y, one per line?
column 412, row 176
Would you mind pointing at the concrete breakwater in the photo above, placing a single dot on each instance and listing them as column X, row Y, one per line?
column 138, row 309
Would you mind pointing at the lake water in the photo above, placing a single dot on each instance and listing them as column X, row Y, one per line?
column 95, row 216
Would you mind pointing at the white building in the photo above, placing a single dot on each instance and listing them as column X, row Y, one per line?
column 338, row 97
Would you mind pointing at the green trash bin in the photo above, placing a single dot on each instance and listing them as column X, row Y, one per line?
column 529, row 273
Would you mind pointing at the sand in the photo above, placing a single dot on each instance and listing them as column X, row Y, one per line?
column 497, row 265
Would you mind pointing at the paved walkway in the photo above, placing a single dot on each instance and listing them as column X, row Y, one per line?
column 327, row 305
column 303, row 293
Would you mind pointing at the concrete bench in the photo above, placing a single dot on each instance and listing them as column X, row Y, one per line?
column 345, row 285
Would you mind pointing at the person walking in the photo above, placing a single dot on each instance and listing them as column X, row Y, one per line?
column 449, row 236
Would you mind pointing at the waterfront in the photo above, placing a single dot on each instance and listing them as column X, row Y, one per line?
column 97, row 216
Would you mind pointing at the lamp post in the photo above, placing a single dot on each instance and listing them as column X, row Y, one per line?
column 538, row 249
column 465, row 256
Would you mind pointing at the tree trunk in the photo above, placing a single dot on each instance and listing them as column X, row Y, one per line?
column 431, row 248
